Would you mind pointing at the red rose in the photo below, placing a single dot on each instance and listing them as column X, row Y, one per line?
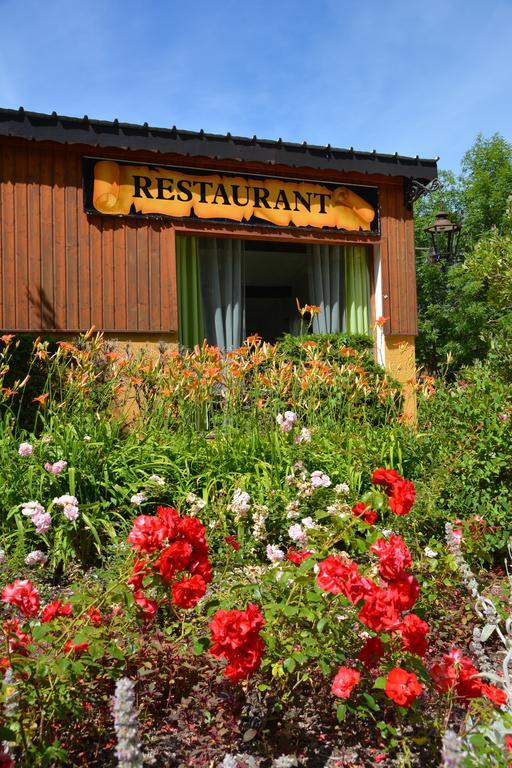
column 371, row 652
column 188, row 592
column 393, row 556
column 18, row 640
column 494, row 694
column 75, row 648
column 385, row 477
column 139, row 571
column 402, row 687
column 404, row 591
column 147, row 608
column 235, row 637
column 194, row 532
column 402, row 497
column 23, row 595
column 147, row 533
column 170, row 518
column 413, row 632
column 345, row 681
column 202, row 567
column 379, row 611
column 94, row 616
column 365, row 513
column 56, row 608
column 342, row 577
column 458, row 672
column 174, row 558
column 297, row 557
column 231, row 540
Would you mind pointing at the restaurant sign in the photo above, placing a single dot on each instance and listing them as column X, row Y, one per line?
column 124, row 189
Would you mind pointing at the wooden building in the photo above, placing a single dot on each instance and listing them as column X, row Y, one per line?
column 155, row 234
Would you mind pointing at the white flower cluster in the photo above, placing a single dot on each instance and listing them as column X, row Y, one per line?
column 274, row 554
column 25, row 449
column 288, row 421
column 69, row 506
column 298, row 532
column 320, row 479
column 41, row 519
column 195, row 503
column 128, row 750
column 339, row 508
column 36, row 558
column 259, row 518
column 156, row 480
column 240, row 504
column 138, row 498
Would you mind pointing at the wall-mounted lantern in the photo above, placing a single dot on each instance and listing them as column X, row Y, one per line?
column 445, row 238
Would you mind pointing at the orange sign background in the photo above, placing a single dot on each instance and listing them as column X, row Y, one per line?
column 121, row 189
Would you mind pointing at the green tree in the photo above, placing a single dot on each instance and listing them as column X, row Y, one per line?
column 486, row 183
column 459, row 304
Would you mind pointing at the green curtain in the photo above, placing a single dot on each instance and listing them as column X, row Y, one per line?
column 357, row 290
column 190, row 315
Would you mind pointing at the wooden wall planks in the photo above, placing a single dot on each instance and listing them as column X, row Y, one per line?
column 61, row 269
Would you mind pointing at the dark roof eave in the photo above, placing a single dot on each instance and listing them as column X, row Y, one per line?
column 116, row 135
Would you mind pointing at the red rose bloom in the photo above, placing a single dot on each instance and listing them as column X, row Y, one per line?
column 345, row 681
column 385, row 477
column 56, row 608
column 139, row 571
column 188, row 592
column 18, row 640
column 23, row 595
column 194, row 532
column 494, row 694
column 235, row 637
column 231, row 540
column 170, row 519
column 147, row 608
column 402, row 687
column 402, row 497
column 393, row 556
column 297, row 557
column 147, row 533
column 458, row 672
column 94, row 616
column 404, row 591
column 413, row 632
column 371, row 652
column 365, row 513
column 202, row 567
column 174, row 558
column 338, row 576
column 75, row 648
column 379, row 611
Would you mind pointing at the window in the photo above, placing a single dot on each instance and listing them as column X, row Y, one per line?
column 231, row 288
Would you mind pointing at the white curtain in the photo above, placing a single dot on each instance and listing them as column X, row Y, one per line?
column 326, row 287
column 221, row 265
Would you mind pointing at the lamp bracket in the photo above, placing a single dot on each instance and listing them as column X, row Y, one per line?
column 414, row 189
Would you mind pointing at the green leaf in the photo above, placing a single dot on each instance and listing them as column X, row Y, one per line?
column 341, row 711
column 380, row 683
column 289, row 664
column 320, row 625
column 201, row 645
column 6, row 734
column 371, row 702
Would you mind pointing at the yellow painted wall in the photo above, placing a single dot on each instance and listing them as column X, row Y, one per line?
column 400, row 361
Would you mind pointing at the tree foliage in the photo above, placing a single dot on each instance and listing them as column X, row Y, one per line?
column 459, row 304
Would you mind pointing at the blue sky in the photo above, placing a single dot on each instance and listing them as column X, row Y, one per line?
column 393, row 75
